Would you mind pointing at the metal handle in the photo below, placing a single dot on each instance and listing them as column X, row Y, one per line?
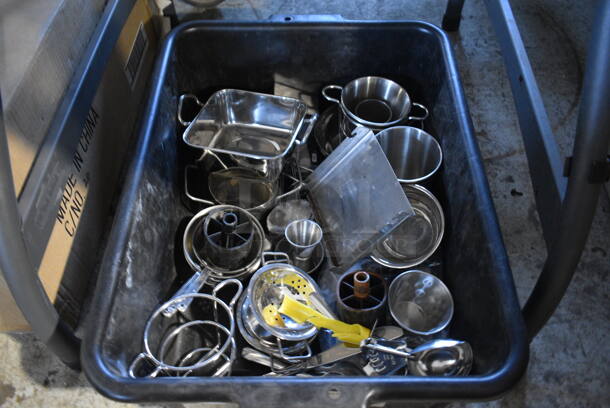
column 199, row 350
column 420, row 118
column 310, row 120
column 136, row 362
column 293, row 357
column 214, row 155
column 275, row 257
column 226, row 282
column 261, row 358
column 181, row 105
column 188, row 194
column 330, row 98
column 298, row 187
column 193, row 285
column 371, row 344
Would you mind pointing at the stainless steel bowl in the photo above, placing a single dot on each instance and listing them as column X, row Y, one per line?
column 416, row 238
column 420, row 302
column 414, row 154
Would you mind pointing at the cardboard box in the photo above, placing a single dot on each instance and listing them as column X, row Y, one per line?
column 39, row 68
column 75, row 245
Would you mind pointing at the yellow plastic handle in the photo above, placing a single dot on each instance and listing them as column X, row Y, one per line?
column 348, row 333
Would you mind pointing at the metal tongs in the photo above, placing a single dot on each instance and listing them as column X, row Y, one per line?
column 441, row 357
column 333, row 355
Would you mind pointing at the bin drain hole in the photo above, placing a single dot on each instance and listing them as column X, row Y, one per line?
column 334, row 393
column 287, row 18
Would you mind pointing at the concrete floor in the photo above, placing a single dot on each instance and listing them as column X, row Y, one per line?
column 569, row 359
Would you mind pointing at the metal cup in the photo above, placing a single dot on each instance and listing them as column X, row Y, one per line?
column 374, row 102
column 420, row 302
column 414, row 154
column 303, row 236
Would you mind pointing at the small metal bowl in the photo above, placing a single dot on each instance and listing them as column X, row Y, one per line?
column 416, row 238
column 420, row 302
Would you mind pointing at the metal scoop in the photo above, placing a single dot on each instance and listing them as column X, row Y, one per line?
column 444, row 358
column 441, row 358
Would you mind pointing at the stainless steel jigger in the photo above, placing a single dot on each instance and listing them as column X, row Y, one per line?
column 303, row 236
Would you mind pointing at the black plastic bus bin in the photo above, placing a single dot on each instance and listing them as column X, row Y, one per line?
column 139, row 268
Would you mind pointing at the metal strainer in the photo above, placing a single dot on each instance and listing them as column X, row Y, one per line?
column 266, row 292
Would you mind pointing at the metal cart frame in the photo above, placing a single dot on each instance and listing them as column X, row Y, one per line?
column 566, row 195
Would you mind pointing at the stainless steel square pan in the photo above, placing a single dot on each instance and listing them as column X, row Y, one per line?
column 248, row 124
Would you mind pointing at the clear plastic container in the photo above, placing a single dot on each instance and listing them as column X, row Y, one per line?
column 357, row 198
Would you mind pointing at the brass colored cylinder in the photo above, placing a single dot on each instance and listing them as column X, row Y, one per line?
column 362, row 282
